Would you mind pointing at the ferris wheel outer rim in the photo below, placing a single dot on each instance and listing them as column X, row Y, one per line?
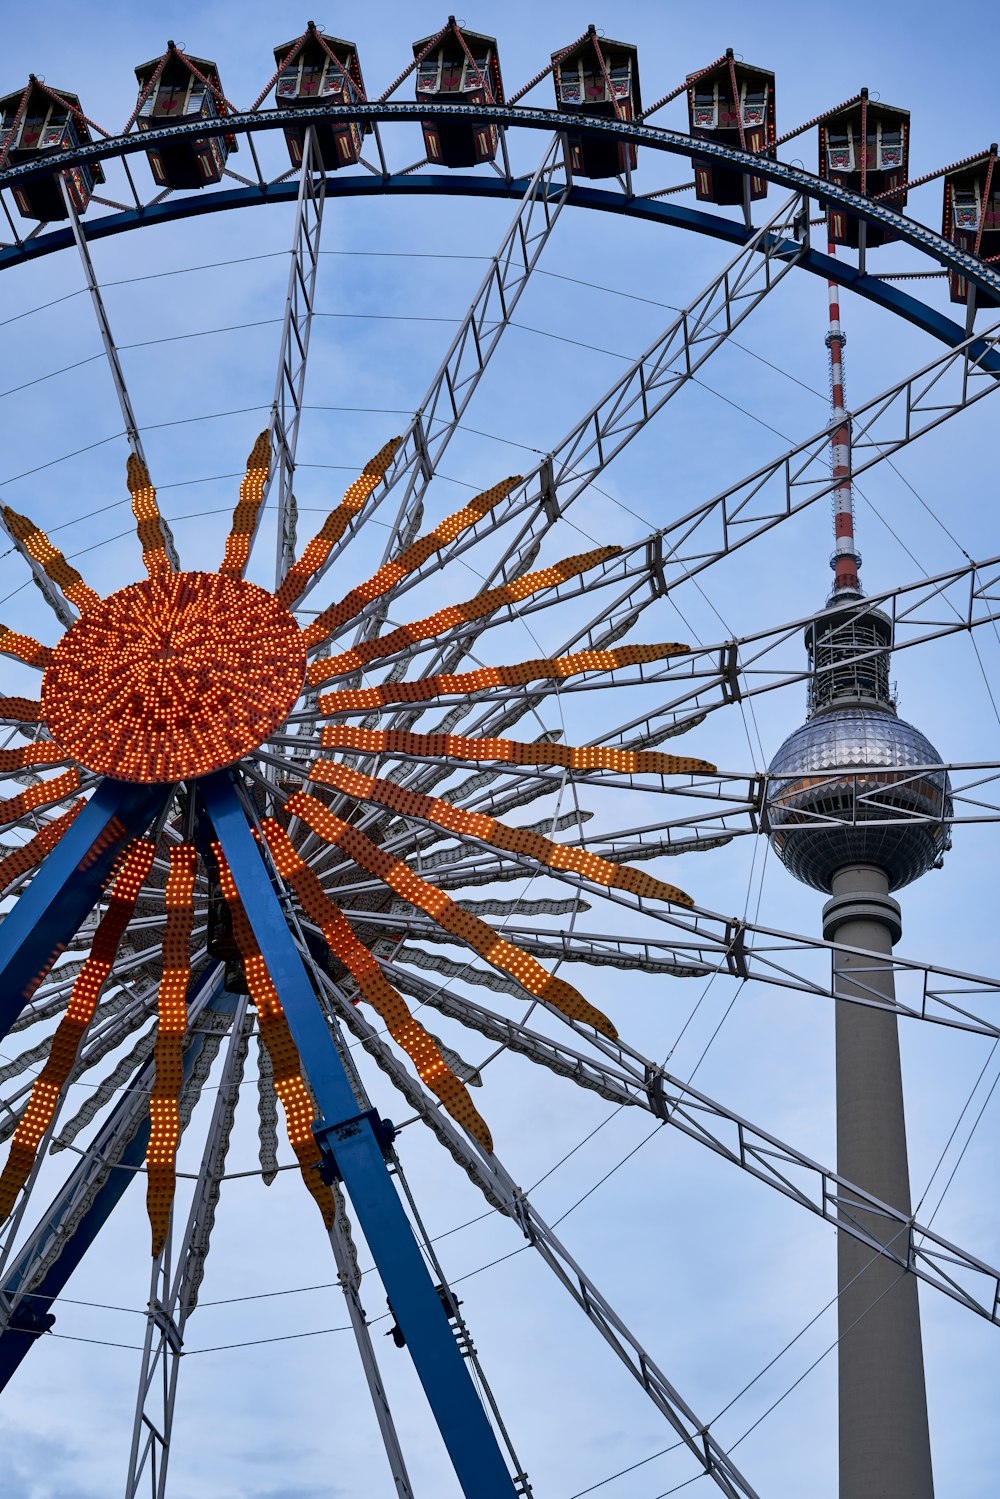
column 900, row 303
column 919, row 236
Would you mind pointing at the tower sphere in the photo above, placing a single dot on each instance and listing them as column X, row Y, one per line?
column 804, row 811
column 842, row 788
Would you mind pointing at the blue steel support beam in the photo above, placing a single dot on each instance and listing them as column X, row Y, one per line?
column 457, row 184
column 66, row 887
column 349, row 1138
column 19, row 1337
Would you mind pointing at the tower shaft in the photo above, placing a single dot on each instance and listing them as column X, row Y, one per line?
column 845, row 555
column 884, row 1440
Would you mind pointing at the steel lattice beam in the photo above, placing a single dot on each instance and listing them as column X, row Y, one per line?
column 64, row 1233
column 453, row 386
column 930, row 1257
column 500, row 1191
column 650, row 382
column 293, row 349
column 824, row 191
column 712, row 676
column 173, row 1297
column 349, row 1141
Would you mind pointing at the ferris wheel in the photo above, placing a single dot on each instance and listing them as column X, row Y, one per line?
column 289, row 812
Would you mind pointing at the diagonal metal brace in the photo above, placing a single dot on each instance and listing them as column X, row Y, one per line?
column 468, row 1436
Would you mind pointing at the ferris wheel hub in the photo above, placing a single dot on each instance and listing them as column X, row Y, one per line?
column 173, row 677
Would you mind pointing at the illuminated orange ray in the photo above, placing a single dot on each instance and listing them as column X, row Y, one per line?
column 42, row 752
column 456, row 747
column 13, row 865
column 37, row 796
column 336, row 524
column 24, row 648
column 374, row 987
column 245, row 515
column 325, row 668
column 21, row 709
column 501, row 954
column 558, row 856
column 289, row 1084
column 408, row 561
column 445, row 684
column 73, row 1026
column 38, row 546
column 168, row 1054
column 147, row 516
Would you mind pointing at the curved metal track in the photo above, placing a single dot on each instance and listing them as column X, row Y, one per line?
column 827, row 194
column 676, row 216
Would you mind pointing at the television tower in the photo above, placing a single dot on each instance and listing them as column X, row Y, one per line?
column 858, row 837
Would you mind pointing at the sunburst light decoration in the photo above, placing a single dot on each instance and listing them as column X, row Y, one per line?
column 186, row 673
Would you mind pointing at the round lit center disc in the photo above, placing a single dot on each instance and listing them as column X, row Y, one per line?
column 174, row 677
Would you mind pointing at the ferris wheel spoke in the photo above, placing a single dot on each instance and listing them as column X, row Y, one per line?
column 557, row 858
column 924, row 991
column 18, row 863
column 750, row 951
column 66, row 887
column 632, row 401
column 52, row 995
column 880, row 428
column 416, row 840
column 906, row 1243
column 132, row 430
column 438, row 416
column 174, row 1296
column 348, row 1139
column 113, row 1023
column 60, row 1238
column 121, row 1076
column 501, row 1192
column 428, row 690
column 293, row 356
column 599, row 635
column 594, row 949
column 562, row 580
column 708, row 677
column 664, row 369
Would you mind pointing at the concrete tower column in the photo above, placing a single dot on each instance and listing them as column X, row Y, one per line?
column 884, row 1439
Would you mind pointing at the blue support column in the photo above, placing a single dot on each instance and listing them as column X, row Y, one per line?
column 351, row 1140
column 35, row 1311
column 66, row 887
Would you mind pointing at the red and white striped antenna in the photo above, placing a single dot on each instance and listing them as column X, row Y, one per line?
column 846, row 558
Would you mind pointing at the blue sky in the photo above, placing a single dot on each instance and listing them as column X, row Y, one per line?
column 715, row 1274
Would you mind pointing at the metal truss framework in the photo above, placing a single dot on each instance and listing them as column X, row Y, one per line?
column 707, row 679
column 437, row 418
column 54, row 1247
column 500, row 1191
column 173, row 1296
column 293, row 354
column 754, row 505
column 826, row 193
column 713, row 676
column 629, row 1078
column 670, row 362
